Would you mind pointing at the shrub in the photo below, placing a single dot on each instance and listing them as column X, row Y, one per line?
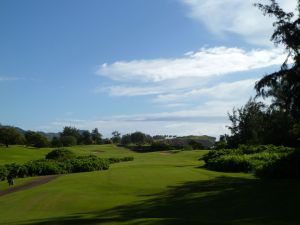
column 117, row 160
column 187, row 147
column 230, row 163
column 160, row 146
column 3, row 173
column 68, row 141
column 89, row 163
column 51, row 166
column 258, row 159
column 45, row 167
column 287, row 166
column 60, row 154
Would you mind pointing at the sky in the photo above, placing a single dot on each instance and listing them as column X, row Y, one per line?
column 174, row 67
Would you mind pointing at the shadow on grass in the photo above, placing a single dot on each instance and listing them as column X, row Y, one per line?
column 218, row 201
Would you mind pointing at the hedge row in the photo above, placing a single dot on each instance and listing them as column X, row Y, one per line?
column 50, row 167
column 264, row 161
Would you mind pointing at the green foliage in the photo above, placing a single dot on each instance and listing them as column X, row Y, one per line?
column 89, row 163
column 287, row 166
column 116, row 137
column 138, row 138
column 36, row 139
column 3, row 172
column 96, row 136
column 187, row 147
column 257, row 159
column 160, row 146
column 195, row 145
column 10, row 136
column 45, row 167
column 126, row 139
column 85, row 138
column 276, row 124
column 55, row 142
column 70, row 131
column 117, row 160
column 68, row 141
column 283, row 86
column 60, row 154
column 60, row 161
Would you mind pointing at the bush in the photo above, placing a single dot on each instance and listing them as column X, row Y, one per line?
column 60, row 154
column 258, row 159
column 187, row 147
column 89, row 163
column 46, row 167
column 287, row 166
column 58, row 164
column 230, row 163
column 68, row 141
column 160, row 146
column 3, row 173
column 117, row 160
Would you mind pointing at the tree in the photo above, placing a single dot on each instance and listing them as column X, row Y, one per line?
column 116, row 137
column 138, row 138
column 283, row 86
column 126, row 139
column 71, row 131
column 36, row 139
column 256, row 123
column 96, row 136
column 68, row 141
column 85, row 138
column 10, row 136
column 247, row 124
column 55, row 142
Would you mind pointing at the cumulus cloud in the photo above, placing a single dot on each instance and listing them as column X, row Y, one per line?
column 225, row 90
column 189, row 88
column 236, row 16
column 205, row 63
column 130, row 90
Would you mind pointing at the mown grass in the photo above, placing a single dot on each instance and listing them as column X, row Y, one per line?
column 156, row 188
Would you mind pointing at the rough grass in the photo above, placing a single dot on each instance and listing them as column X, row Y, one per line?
column 153, row 189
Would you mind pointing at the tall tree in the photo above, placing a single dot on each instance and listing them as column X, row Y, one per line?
column 116, row 137
column 283, row 86
column 70, row 131
column 96, row 136
column 36, row 139
column 10, row 136
column 86, row 138
column 247, row 124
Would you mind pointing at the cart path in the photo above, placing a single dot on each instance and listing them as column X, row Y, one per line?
column 29, row 185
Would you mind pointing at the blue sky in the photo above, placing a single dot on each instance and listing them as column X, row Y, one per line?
column 157, row 66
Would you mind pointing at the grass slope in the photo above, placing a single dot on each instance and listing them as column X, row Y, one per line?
column 155, row 188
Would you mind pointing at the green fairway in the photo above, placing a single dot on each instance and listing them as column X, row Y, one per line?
column 156, row 188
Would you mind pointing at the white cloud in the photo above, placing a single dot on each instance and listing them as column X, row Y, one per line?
column 192, row 105
column 3, row 78
column 206, row 63
column 222, row 91
column 130, row 91
column 209, row 118
column 236, row 16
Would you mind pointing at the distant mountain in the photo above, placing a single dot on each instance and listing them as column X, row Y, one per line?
column 21, row 131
